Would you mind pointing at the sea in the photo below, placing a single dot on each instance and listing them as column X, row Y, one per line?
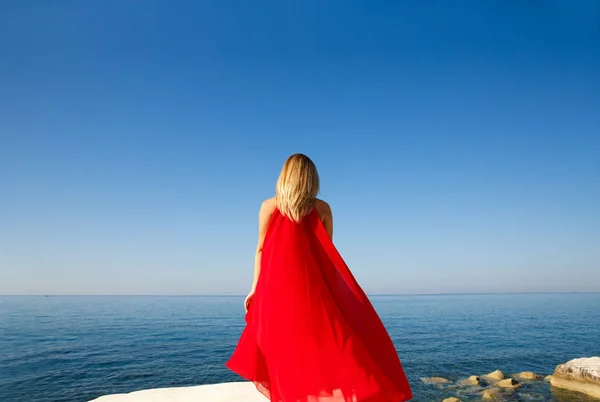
column 77, row 348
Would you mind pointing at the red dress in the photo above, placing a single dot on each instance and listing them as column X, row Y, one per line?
column 311, row 333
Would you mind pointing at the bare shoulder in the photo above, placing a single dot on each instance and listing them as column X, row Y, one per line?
column 324, row 209
column 269, row 203
column 267, row 207
column 326, row 216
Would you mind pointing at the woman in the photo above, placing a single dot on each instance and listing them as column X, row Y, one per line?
column 311, row 335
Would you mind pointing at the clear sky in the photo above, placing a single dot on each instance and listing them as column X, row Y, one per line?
column 458, row 142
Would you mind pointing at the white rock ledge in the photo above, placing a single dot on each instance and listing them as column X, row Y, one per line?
column 226, row 392
column 581, row 375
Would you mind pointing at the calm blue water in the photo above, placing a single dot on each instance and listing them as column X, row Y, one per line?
column 76, row 348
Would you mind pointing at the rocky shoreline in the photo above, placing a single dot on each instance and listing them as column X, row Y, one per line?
column 579, row 375
column 492, row 386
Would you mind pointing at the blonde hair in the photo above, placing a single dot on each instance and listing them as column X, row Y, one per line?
column 297, row 187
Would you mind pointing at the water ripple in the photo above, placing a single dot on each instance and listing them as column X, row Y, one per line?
column 69, row 349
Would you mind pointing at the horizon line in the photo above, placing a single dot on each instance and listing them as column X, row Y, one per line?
column 243, row 295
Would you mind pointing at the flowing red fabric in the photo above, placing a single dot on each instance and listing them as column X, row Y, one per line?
column 311, row 333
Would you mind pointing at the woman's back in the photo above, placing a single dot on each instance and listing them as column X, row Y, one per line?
column 323, row 210
column 313, row 327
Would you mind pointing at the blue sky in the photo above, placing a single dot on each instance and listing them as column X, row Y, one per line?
column 457, row 143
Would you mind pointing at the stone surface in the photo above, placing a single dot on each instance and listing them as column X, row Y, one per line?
column 226, row 392
column 495, row 375
column 581, row 375
column 491, row 395
column 508, row 383
column 435, row 380
column 528, row 375
column 451, row 399
column 548, row 378
column 473, row 380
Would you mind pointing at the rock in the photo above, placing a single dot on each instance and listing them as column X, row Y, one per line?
column 508, row 383
column 548, row 378
column 491, row 395
column 581, row 375
column 473, row 380
column 528, row 375
column 435, row 380
column 451, row 399
column 495, row 375
column 227, row 392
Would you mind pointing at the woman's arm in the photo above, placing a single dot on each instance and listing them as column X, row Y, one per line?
column 266, row 210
